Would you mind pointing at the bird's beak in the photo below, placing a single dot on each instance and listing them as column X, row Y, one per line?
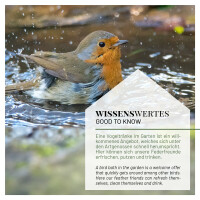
column 120, row 42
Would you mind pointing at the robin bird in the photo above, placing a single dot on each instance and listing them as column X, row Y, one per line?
column 78, row 77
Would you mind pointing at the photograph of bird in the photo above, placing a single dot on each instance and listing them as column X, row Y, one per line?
column 78, row 77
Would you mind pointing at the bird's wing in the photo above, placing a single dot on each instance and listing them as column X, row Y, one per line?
column 65, row 66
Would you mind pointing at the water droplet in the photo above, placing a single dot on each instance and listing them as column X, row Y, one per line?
column 166, row 57
column 154, row 54
column 144, row 65
column 116, row 15
column 19, row 51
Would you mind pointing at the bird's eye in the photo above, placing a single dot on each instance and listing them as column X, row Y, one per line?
column 101, row 44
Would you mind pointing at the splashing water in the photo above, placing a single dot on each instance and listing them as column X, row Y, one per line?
column 171, row 68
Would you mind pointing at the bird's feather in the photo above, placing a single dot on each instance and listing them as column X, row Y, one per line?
column 22, row 86
column 62, row 66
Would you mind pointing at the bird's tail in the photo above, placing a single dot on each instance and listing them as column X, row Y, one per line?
column 22, row 86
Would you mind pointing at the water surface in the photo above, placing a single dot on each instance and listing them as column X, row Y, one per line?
column 166, row 57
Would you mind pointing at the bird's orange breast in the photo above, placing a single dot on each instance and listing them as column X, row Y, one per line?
column 111, row 71
column 112, row 67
